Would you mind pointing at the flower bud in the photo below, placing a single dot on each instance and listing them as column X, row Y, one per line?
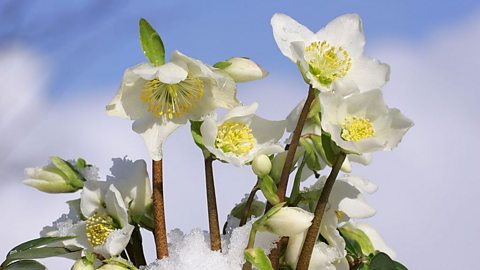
column 242, row 69
column 117, row 263
column 261, row 165
column 83, row 264
column 288, row 221
column 58, row 177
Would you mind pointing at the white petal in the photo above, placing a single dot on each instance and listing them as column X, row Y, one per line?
column 116, row 242
column 294, row 115
column 131, row 179
column 399, row 126
column 289, row 221
column 266, row 130
column 294, row 248
column 93, row 197
column 241, row 112
column 171, row 73
column 345, row 31
column 328, row 229
column 286, row 30
column 224, row 91
column 363, row 159
column 154, row 133
column 376, row 239
column 145, row 71
column 362, row 184
column 348, row 199
column 115, row 206
column 209, row 131
column 244, row 70
column 369, row 73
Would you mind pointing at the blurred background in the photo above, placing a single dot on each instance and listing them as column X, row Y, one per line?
column 62, row 61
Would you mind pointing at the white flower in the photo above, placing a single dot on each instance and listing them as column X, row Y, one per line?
column 241, row 135
column 313, row 126
column 362, row 123
column 161, row 98
column 99, row 222
column 132, row 181
column 243, row 69
column 333, row 57
column 288, row 221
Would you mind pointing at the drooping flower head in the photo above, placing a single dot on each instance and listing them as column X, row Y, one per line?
column 333, row 57
column 161, row 98
column 241, row 135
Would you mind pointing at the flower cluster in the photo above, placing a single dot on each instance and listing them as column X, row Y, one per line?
column 344, row 119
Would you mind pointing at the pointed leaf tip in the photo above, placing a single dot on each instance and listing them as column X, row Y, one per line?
column 151, row 42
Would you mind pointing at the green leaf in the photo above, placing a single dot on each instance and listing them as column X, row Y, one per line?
column 196, row 134
column 353, row 247
column 256, row 209
column 38, row 242
column 399, row 266
column 152, row 44
column 257, row 257
column 269, row 189
column 222, row 64
column 330, row 148
column 38, row 253
column 73, row 176
column 356, row 235
column 317, row 143
column 312, row 160
column 382, row 261
column 314, row 108
column 26, row 265
column 363, row 266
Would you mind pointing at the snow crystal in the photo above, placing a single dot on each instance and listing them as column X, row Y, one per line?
column 192, row 251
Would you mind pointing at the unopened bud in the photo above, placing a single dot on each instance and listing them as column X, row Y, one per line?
column 288, row 221
column 261, row 165
column 242, row 69
column 83, row 264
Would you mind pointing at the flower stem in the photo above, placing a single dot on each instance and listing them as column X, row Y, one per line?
column 251, row 242
column 287, row 167
column 215, row 241
column 312, row 233
column 248, row 204
column 135, row 248
column 160, row 228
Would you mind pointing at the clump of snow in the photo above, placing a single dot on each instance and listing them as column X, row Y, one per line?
column 192, row 251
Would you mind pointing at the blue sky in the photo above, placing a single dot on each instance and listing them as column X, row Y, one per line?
column 89, row 44
column 61, row 62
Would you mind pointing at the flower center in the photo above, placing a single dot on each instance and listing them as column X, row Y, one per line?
column 235, row 137
column 327, row 63
column 99, row 227
column 357, row 128
column 169, row 100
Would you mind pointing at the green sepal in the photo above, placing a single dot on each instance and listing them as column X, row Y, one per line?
column 399, row 266
column 197, row 135
column 352, row 234
column 152, row 44
column 314, row 108
column 363, row 266
column 330, row 148
column 25, row 265
column 222, row 64
column 73, row 176
column 257, row 257
column 256, row 209
column 311, row 157
column 81, row 163
column 382, row 261
column 117, row 261
column 269, row 189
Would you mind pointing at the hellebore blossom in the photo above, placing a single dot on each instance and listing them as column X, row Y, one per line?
column 99, row 223
column 332, row 58
column 242, row 69
column 60, row 176
column 362, row 123
column 288, row 221
column 241, row 135
column 162, row 98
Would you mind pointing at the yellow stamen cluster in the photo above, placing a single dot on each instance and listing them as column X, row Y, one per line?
column 99, row 227
column 357, row 128
column 326, row 62
column 169, row 100
column 235, row 137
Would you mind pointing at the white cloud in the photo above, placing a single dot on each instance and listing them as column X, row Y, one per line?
column 428, row 187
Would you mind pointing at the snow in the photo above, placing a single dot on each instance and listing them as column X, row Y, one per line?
column 192, row 251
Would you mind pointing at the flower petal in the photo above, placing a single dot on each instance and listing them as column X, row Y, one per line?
column 266, row 130
column 369, row 73
column 154, row 133
column 115, row 206
column 286, row 30
column 171, row 73
column 93, row 197
column 116, row 242
column 344, row 31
